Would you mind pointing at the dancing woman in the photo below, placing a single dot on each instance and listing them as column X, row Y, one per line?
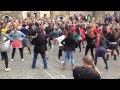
column 69, row 47
column 3, row 49
column 89, row 39
column 17, row 38
column 101, row 47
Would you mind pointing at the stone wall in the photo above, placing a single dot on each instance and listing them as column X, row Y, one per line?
column 45, row 12
column 11, row 13
column 81, row 12
column 55, row 14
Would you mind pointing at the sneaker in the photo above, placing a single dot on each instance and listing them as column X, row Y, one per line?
column 62, row 61
column 45, row 67
column 73, row 66
column 12, row 60
column 22, row 59
column 63, row 68
column 7, row 69
column 58, row 60
column 51, row 50
column 33, row 67
column 30, row 53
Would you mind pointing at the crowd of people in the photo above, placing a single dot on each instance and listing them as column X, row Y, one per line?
column 101, row 37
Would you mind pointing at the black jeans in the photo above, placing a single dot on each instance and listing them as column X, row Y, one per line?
column 50, row 42
column 79, row 43
column 89, row 46
column 2, row 57
column 100, row 52
column 105, row 61
column 5, row 56
column 21, row 52
column 83, row 44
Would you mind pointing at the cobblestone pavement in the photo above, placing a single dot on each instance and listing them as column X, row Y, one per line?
column 22, row 70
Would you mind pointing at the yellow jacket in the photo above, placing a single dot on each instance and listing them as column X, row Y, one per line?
column 4, row 30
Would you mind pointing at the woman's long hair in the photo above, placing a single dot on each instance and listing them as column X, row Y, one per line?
column 65, row 32
column 15, row 30
column 90, row 33
column 70, row 35
column 101, row 35
column 114, row 33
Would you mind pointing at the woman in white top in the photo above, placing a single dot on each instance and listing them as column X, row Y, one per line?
column 59, row 40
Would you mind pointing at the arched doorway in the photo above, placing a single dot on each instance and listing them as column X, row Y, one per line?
column 61, row 18
column 6, row 18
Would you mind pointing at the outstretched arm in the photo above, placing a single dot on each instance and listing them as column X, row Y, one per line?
column 5, row 35
column 23, row 35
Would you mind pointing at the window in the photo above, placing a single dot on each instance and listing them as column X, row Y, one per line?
column 115, row 13
column 35, row 15
column 28, row 15
column 45, row 15
column 61, row 17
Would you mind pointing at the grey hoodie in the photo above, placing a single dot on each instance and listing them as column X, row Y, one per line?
column 3, row 48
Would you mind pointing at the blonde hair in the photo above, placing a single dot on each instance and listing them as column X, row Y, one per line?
column 15, row 28
column 101, row 34
column 90, row 33
column 114, row 33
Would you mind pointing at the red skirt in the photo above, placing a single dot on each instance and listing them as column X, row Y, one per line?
column 17, row 44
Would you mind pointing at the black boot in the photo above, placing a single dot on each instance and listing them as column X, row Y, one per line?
column 112, row 53
column 106, row 67
column 107, row 57
column 29, row 50
column 115, row 57
column 117, row 51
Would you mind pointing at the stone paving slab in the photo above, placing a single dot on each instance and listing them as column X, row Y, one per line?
column 22, row 70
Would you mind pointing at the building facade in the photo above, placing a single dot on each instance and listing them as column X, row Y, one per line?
column 55, row 14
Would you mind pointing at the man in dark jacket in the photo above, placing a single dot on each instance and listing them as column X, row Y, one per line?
column 40, row 43
column 26, row 42
column 24, row 30
column 87, row 71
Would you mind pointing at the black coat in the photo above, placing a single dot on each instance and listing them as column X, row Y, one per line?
column 85, row 73
column 69, row 44
column 39, row 44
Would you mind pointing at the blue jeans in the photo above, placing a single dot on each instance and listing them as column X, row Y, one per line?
column 71, row 53
column 44, row 60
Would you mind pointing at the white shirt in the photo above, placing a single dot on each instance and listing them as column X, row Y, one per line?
column 60, row 39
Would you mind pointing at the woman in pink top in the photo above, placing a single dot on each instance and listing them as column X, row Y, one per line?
column 73, row 28
column 83, row 35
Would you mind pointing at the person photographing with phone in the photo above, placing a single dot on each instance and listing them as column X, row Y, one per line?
column 88, row 70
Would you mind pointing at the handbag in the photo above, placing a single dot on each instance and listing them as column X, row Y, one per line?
column 7, row 43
